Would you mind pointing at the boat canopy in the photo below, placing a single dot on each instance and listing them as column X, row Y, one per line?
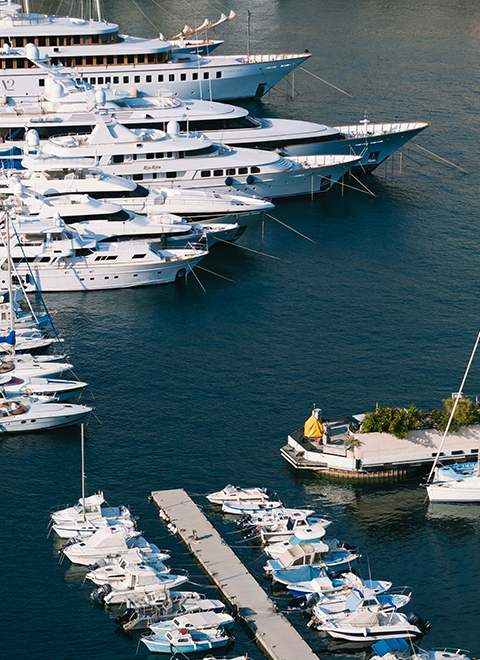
column 313, row 428
column 385, row 646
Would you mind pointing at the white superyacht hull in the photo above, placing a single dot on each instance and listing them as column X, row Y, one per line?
column 78, row 276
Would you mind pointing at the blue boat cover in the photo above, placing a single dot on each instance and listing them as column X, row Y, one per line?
column 386, row 645
column 303, row 574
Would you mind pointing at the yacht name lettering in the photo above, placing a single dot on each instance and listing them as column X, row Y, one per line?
column 147, row 168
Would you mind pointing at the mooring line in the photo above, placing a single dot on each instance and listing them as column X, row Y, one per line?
column 195, row 275
column 291, row 228
column 362, row 184
column 214, row 273
column 440, row 158
column 326, row 82
column 263, row 254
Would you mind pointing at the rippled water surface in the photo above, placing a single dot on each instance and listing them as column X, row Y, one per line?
column 198, row 389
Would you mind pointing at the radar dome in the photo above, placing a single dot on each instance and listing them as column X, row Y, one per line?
column 56, row 91
column 32, row 52
column 18, row 188
column 100, row 97
column 32, row 138
column 173, row 128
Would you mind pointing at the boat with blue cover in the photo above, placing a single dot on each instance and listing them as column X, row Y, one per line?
column 399, row 649
column 293, row 564
column 186, row 641
column 329, row 582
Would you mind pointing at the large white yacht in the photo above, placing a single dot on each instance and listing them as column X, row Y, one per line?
column 65, row 106
column 96, row 50
column 187, row 160
column 51, row 256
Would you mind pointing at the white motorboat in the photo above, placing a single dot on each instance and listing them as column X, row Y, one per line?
column 146, row 609
column 283, row 529
column 235, row 494
column 113, row 569
column 137, row 579
column 186, row 641
column 286, row 568
column 366, row 626
column 242, row 508
column 32, row 366
column 61, row 390
column 17, row 416
column 277, row 515
column 53, row 257
column 98, row 52
column 196, row 621
column 187, row 160
column 303, row 534
column 327, row 584
column 356, row 600
column 399, row 649
column 105, row 542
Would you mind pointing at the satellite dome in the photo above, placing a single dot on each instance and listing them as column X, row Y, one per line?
column 32, row 52
column 32, row 138
column 100, row 97
column 173, row 128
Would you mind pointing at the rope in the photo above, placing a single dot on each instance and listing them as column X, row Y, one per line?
column 291, row 228
column 217, row 274
column 263, row 254
column 362, row 184
column 145, row 16
column 449, row 162
column 326, row 82
column 195, row 275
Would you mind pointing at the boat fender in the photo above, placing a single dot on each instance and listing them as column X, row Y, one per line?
column 228, row 181
column 28, row 391
column 250, row 179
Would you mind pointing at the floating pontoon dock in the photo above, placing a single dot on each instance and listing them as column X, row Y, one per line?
column 273, row 633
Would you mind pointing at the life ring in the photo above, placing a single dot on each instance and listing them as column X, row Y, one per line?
column 28, row 391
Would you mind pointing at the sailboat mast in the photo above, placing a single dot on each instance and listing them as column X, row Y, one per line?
column 83, row 471
column 459, row 394
column 9, row 277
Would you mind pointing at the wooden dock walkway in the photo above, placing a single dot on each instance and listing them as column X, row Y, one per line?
column 273, row 632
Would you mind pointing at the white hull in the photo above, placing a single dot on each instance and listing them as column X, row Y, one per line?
column 78, row 276
column 241, row 76
column 42, row 418
column 463, row 490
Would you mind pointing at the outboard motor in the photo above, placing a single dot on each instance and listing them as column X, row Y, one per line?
column 344, row 545
column 416, row 620
column 98, row 595
column 70, row 541
column 135, row 523
column 125, row 617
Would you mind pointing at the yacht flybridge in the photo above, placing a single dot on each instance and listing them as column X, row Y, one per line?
column 98, row 52
column 65, row 106
column 186, row 160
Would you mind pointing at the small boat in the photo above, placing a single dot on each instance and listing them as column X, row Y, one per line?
column 309, row 534
column 283, row 530
column 112, row 569
column 286, row 568
column 466, row 489
column 137, row 579
column 366, row 626
column 93, row 506
column 268, row 517
column 186, row 641
column 249, row 508
column 330, row 583
column 196, row 621
column 61, row 390
column 144, row 610
column 33, row 366
column 398, row 648
column 235, row 494
column 107, row 541
column 357, row 599
column 22, row 416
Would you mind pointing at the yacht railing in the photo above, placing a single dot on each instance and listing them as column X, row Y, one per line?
column 268, row 57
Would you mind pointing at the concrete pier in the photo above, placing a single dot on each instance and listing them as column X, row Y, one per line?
column 273, row 632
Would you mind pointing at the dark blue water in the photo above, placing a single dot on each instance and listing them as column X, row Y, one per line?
column 198, row 389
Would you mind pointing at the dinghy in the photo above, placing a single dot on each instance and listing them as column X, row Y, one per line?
column 186, row 641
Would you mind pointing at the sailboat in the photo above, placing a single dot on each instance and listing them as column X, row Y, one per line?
column 465, row 488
